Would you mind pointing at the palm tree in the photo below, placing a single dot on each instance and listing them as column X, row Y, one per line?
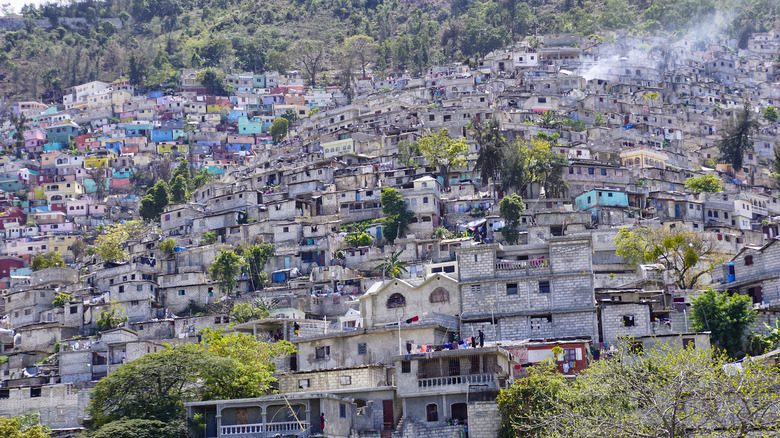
column 392, row 266
column 491, row 149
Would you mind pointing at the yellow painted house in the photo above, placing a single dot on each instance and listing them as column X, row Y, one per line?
column 61, row 191
column 99, row 161
column 213, row 108
column 62, row 244
column 169, row 148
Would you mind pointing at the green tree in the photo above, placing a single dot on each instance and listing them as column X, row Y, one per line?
column 397, row 214
column 443, row 152
column 19, row 123
column 407, row 152
column 770, row 113
column 529, row 162
column 243, row 312
column 152, row 387
column 252, row 367
column 212, row 80
column 111, row 317
column 736, row 141
column 46, row 260
column 362, row 49
column 154, row 202
column 61, row 299
column 179, row 190
column 168, row 246
column 78, row 248
column 24, row 426
column 290, row 116
column 679, row 251
column 208, row 238
column 225, row 270
column 108, row 245
column 528, row 398
column 704, row 183
column 257, row 257
column 668, row 391
column 491, row 144
column 728, row 317
column 392, row 266
column 279, row 129
column 776, row 167
column 511, row 208
column 138, row 428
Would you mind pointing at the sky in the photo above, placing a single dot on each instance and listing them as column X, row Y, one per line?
column 16, row 5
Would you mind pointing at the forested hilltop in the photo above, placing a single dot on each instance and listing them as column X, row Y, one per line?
column 150, row 41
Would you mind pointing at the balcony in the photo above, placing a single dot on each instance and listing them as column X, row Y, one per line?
column 522, row 267
column 472, row 379
column 258, row 429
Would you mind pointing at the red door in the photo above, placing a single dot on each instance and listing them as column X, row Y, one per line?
column 388, row 419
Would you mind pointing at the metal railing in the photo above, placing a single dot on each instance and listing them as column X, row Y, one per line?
column 455, row 380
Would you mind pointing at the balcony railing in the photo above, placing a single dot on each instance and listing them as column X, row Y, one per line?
column 289, row 426
column 471, row 379
column 242, row 429
column 512, row 265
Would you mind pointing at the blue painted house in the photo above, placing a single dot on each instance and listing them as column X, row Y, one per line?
column 607, row 206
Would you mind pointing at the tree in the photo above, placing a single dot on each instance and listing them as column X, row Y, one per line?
column 24, row 426
column 225, row 269
column 208, row 238
column 728, row 317
column 61, row 299
column 111, row 317
column 443, row 152
column 78, row 248
column 154, row 202
column 511, row 208
column 770, row 113
column 407, row 152
column 179, row 190
column 290, row 116
column 19, row 123
column 491, row 149
column 152, row 387
column 108, row 245
column 252, row 364
column 528, row 162
column 98, row 175
column 704, row 183
column 397, row 214
column 362, row 49
column 137, row 71
column 310, row 54
column 279, row 129
column 668, row 391
column 243, row 312
column 776, row 167
column 736, row 141
column 679, row 251
column 139, row 428
column 392, row 266
column 168, row 246
column 212, row 80
column 256, row 257
column 46, row 260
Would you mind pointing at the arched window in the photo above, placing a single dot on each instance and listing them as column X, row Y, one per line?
column 432, row 412
column 396, row 300
column 439, row 295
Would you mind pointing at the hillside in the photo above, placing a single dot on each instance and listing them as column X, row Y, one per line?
column 64, row 46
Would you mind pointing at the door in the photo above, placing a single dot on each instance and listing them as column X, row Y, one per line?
column 388, row 419
column 459, row 412
column 242, row 416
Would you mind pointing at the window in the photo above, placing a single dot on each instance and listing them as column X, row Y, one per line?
column 345, row 380
column 689, row 343
column 362, row 348
column 570, row 354
column 133, row 303
column 304, row 383
column 74, row 310
column 285, row 229
column 544, row 287
column 396, row 300
column 439, row 295
column 406, row 366
column 541, row 100
column 35, row 392
column 476, row 288
column 425, row 200
column 342, row 410
column 591, row 171
column 121, row 289
column 322, row 353
column 5, row 393
column 511, row 289
column 628, row 320
column 139, row 288
column 432, row 412
column 181, row 292
column 749, row 260
column 604, row 172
